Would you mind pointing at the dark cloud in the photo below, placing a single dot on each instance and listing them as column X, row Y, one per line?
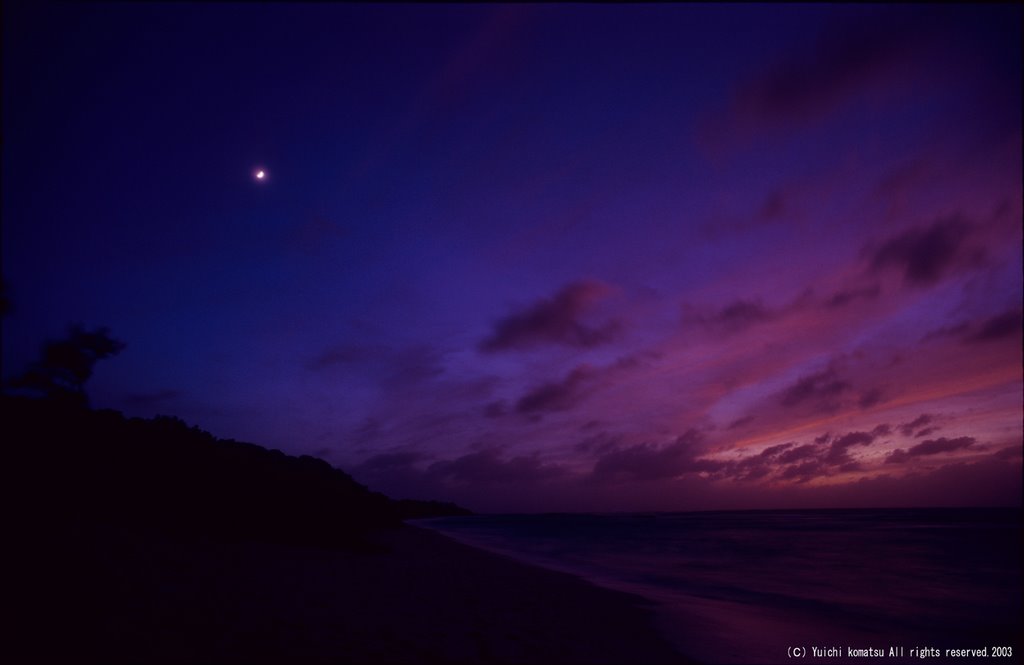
column 555, row 320
column 926, row 431
column 367, row 431
column 1010, row 452
column 847, row 296
column 853, row 439
column 1001, row 326
column 734, row 317
column 822, row 389
column 413, row 365
column 559, row 395
column 1007, row 324
column 881, row 430
column 837, row 453
column 392, row 367
column 802, row 462
column 598, row 444
column 804, row 472
column 904, row 178
column 943, row 445
column 754, row 472
column 925, row 255
column 339, row 355
column 742, row 314
column 754, row 467
column 907, row 429
column 824, row 438
column 495, row 409
column 775, row 450
column 799, row 453
column 812, row 82
column 897, row 456
column 774, row 207
column 648, row 462
column 958, row 330
column 487, row 466
column 929, row 447
column 870, row 398
column 740, row 422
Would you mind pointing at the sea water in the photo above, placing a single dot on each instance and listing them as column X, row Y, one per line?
column 778, row 586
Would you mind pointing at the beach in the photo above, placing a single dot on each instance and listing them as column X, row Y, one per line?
column 414, row 596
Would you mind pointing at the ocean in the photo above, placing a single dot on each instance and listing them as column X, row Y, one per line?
column 773, row 586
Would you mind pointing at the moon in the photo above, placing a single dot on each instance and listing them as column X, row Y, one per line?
column 259, row 174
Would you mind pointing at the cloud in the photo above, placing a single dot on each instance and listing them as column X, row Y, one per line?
column 847, row 296
column 907, row 429
column 801, row 463
column 1007, row 324
column 487, row 466
column 881, row 430
column 559, row 395
column 929, row 447
column 803, row 472
column 870, row 398
column 943, row 445
column 775, row 206
column 598, row 444
column 647, row 462
column 393, row 367
column 368, row 430
column 555, row 320
column 1010, row 452
column 413, row 474
column 822, row 389
column 849, row 56
column 740, row 422
column 958, row 330
column 341, row 355
column 1004, row 325
column 495, row 409
column 799, row 453
column 853, row 439
column 775, row 450
column 737, row 316
column 926, row 254
column 755, row 467
column 837, row 453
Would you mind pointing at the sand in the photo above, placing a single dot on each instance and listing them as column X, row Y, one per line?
column 128, row 597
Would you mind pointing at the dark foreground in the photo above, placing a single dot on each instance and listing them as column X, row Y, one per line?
column 113, row 595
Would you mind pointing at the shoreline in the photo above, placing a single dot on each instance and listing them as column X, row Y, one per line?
column 104, row 595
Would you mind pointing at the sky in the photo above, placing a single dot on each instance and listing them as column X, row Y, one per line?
column 605, row 257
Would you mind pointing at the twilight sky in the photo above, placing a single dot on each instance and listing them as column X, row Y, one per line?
column 539, row 257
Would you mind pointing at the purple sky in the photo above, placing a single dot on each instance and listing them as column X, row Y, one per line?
column 539, row 257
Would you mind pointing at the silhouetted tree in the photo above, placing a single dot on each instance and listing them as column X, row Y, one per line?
column 65, row 365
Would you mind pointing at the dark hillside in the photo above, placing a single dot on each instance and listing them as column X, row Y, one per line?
column 70, row 465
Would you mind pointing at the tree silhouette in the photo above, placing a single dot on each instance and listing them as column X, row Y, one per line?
column 65, row 365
